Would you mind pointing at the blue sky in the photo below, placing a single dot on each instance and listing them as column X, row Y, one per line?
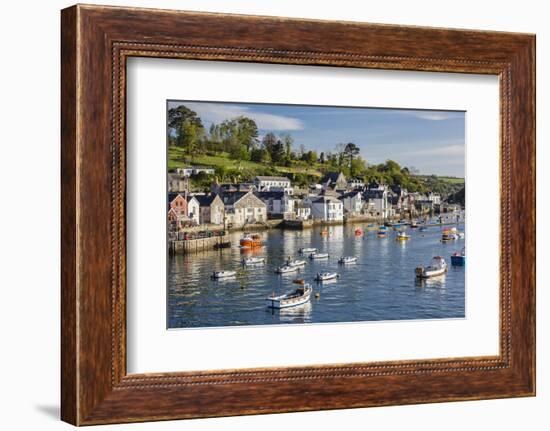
column 431, row 141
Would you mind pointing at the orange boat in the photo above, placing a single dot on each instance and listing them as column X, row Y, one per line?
column 250, row 241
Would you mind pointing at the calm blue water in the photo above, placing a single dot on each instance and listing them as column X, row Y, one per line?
column 381, row 286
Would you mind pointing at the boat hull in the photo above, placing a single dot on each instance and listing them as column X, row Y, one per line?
column 458, row 260
column 282, row 302
column 431, row 273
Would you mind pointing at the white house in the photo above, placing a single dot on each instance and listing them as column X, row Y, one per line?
column 273, row 184
column 244, row 207
column 356, row 183
column 327, row 208
column 278, row 203
column 302, row 210
column 377, row 200
column 212, row 209
column 353, row 202
column 193, row 209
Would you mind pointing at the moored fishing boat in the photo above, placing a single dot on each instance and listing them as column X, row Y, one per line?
column 324, row 276
column 324, row 232
column 437, row 267
column 286, row 269
column 251, row 240
column 458, row 258
column 305, row 250
column 297, row 297
column 371, row 226
column 347, row 259
column 223, row 274
column 318, row 255
column 382, row 231
column 296, row 262
column 254, row 261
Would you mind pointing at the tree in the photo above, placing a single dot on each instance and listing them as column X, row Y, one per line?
column 322, row 158
column 350, row 152
column 358, row 166
column 310, row 157
column 187, row 127
column 247, row 132
column 278, row 153
column 260, row 155
column 268, row 142
column 239, row 152
column 288, row 141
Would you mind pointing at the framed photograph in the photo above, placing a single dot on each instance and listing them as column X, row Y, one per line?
column 267, row 215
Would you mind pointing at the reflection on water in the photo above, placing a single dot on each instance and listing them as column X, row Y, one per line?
column 380, row 286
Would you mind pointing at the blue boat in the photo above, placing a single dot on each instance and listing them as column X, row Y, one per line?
column 459, row 259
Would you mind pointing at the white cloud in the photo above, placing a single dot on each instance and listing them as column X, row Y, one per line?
column 218, row 112
column 432, row 115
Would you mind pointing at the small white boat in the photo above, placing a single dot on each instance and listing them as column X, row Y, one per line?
column 347, row 259
column 285, row 269
column 323, row 276
column 254, row 261
column 224, row 274
column 305, row 250
column 437, row 267
column 297, row 262
column 461, row 235
column 298, row 297
column 318, row 256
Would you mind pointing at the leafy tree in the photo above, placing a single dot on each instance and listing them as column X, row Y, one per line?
column 278, row 152
column 358, row 166
column 268, row 142
column 350, row 152
column 288, row 141
column 239, row 152
column 310, row 157
column 260, row 155
column 247, row 132
column 187, row 127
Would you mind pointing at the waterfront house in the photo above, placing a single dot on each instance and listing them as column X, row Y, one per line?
column 302, row 211
column 326, row 208
column 279, row 204
column 334, row 181
column 243, row 208
column 273, row 184
column 178, row 203
column 353, row 202
column 212, row 209
column 376, row 197
column 193, row 209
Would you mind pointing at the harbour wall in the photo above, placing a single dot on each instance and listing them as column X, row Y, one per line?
column 199, row 244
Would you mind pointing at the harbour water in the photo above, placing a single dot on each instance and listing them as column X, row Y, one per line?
column 380, row 286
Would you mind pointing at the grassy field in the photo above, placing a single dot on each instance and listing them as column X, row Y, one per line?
column 176, row 160
column 450, row 180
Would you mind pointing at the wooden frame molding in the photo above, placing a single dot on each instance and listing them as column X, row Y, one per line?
column 95, row 43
